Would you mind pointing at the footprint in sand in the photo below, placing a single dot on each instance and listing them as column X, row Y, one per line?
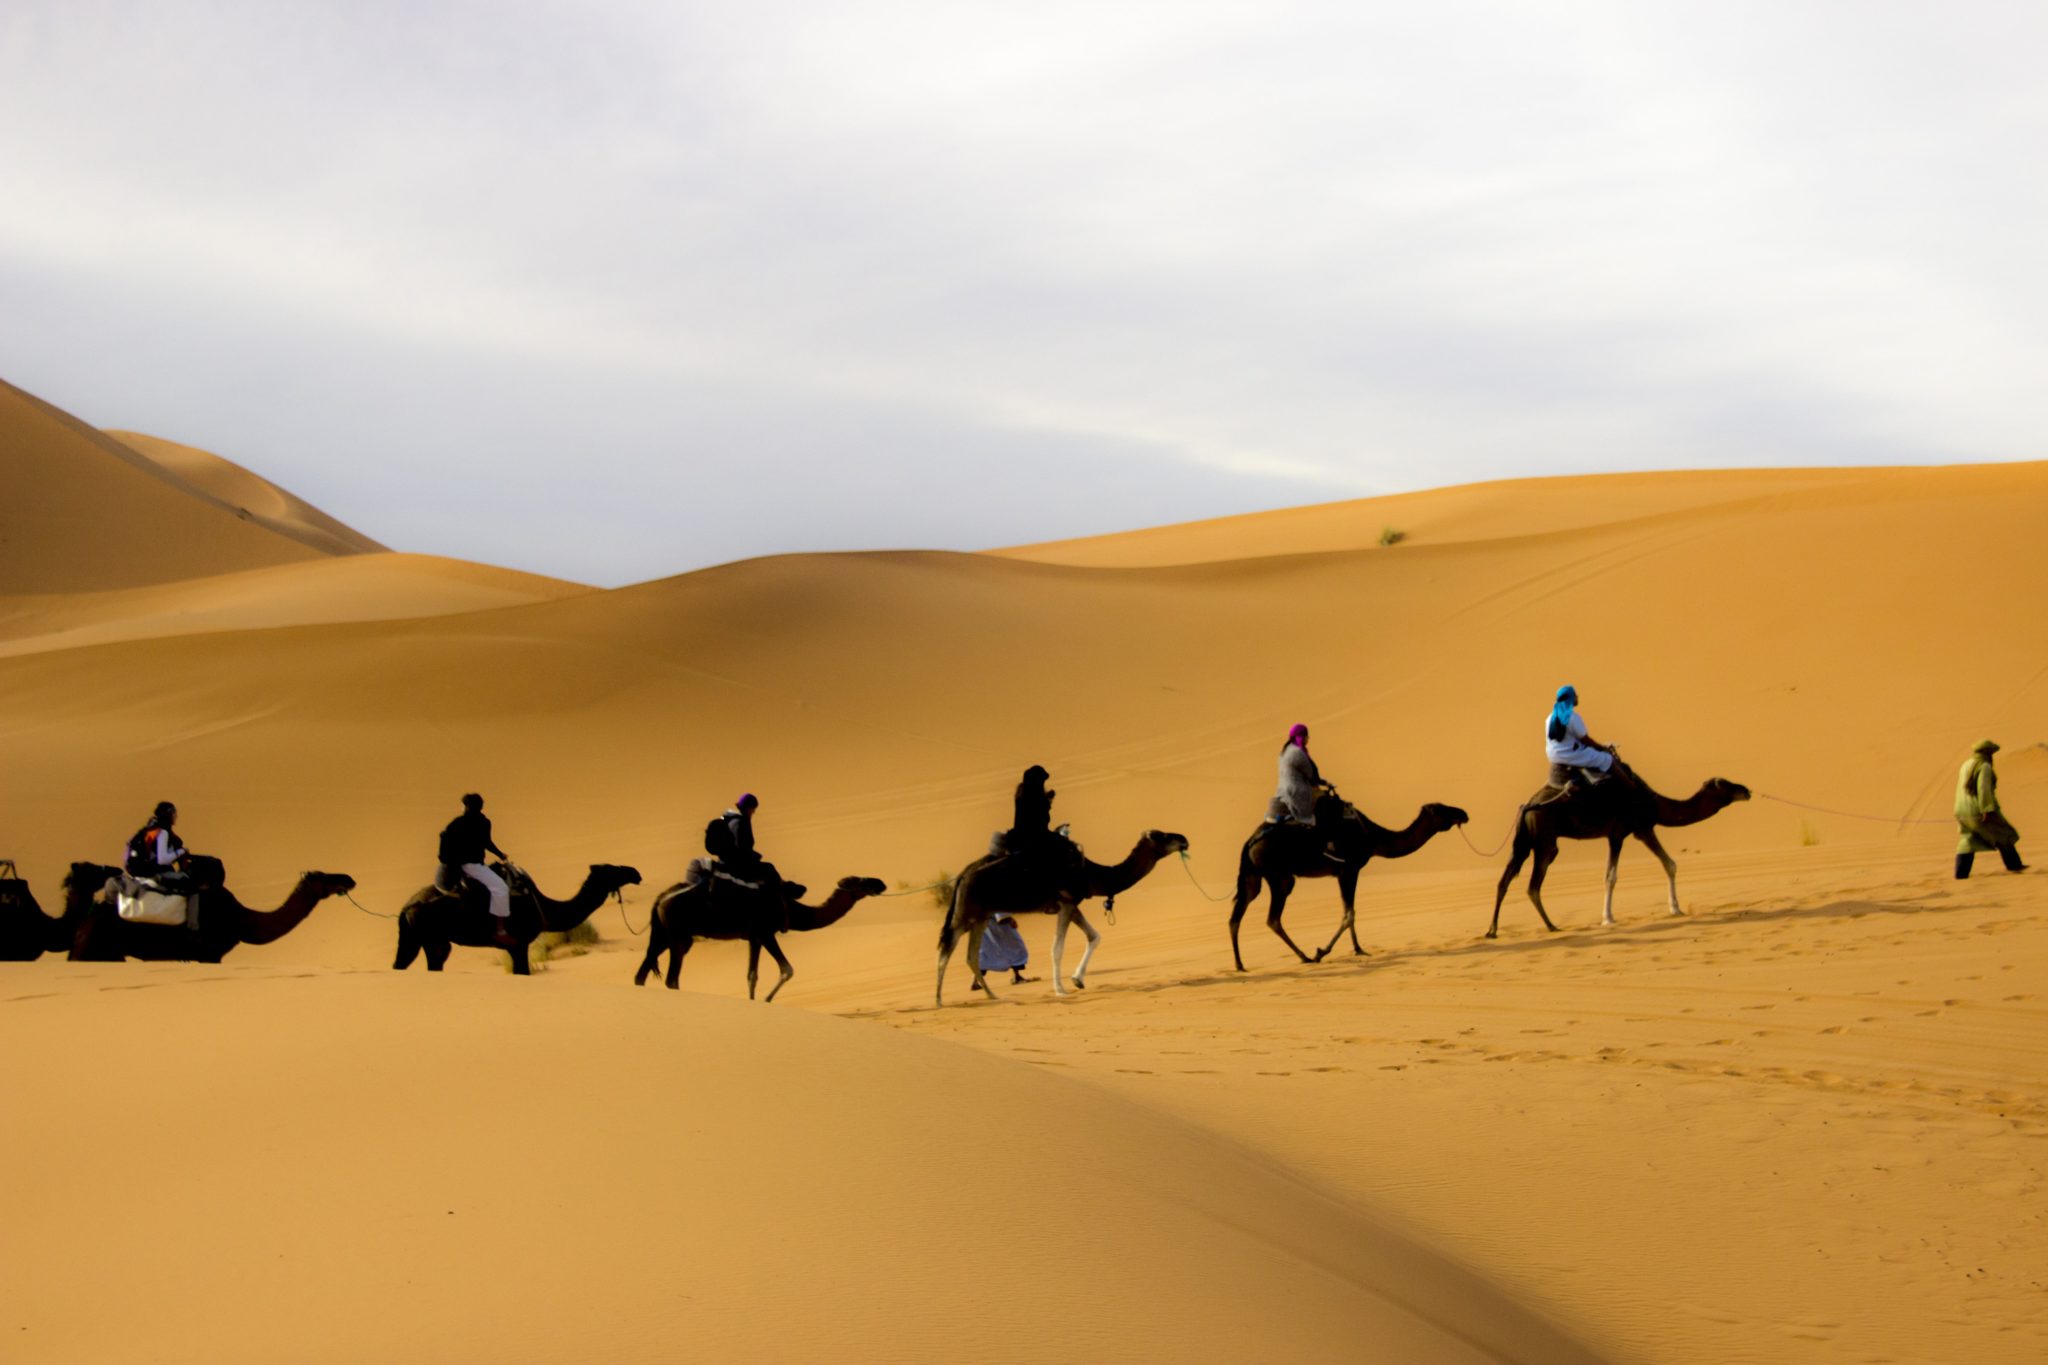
column 1834, row 1028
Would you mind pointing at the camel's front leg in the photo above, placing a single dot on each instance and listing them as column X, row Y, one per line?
column 1081, row 972
column 753, row 965
column 1347, row 890
column 1613, row 870
column 1650, row 841
column 782, row 962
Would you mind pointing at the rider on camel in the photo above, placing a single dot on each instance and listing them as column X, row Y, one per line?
column 464, row 842
column 1301, row 783
column 156, row 854
column 1575, row 756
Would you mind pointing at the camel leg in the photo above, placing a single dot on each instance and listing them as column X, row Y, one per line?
column 675, row 963
column 974, row 937
column 437, row 954
column 1059, row 947
column 1247, row 892
column 1347, row 890
column 1281, row 890
column 947, row 938
column 408, row 945
column 1613, row 871
column 521, row 966
column 775, row 951
column 1650, row 841
column 1545, row 856
column 1507, row 877
column 753, row 966
column 1081, row 972
column 651, row 963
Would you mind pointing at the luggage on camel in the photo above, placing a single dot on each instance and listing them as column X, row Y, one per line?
column 140, row 903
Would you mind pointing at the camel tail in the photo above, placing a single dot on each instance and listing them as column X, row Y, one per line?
column 948, row 934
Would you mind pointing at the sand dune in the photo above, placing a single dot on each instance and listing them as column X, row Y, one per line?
column 464, row 1170
column 85, row 512
column 263, row 501
column 1792, row 1126
column 365, row 587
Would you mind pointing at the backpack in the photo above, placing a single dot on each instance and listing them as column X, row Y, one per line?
column 718, row 841
column 140, row 860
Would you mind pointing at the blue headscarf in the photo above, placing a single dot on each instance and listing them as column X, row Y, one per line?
column 1567, row 698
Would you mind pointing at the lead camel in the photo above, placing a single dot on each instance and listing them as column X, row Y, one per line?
column 1617, row 809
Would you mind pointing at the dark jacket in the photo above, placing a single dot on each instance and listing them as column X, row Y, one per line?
column 467, row 839
column 730, row 838
column 1033, row 804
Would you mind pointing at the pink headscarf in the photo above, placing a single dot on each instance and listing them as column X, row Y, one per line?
column 1298, row 737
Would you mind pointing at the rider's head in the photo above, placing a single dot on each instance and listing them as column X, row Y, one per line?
column 1298, row 736
column 1568, row 693
column 472, row 802
column 165, row 816
column 747, row 802
column 1036, row 775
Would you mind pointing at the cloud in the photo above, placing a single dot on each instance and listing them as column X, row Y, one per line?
column 1227, row 255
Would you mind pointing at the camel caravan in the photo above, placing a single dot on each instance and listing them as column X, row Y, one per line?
column 166, row 903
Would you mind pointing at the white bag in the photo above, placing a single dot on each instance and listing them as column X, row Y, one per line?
column 153, row 907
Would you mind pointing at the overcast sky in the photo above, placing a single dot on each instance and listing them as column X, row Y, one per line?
column 616, row 290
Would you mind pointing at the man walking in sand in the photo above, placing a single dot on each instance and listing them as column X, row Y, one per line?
column 1977, row 811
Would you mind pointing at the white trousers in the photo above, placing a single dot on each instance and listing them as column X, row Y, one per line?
column 501, row 899
column 1583, row 756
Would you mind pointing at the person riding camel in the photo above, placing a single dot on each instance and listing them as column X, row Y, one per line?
column 1031, row 831
column 1294, row 802
column 1575, row 756
column 729, row 839
column 464, row 843
column 156, row 854
column 1301, row 784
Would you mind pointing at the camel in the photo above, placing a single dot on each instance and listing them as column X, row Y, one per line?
column 1278, row 855
column 26, row 933
column 434, row 921
column 224, row 922
column 1619, row 808
column 721, row 909
column 1019, row 885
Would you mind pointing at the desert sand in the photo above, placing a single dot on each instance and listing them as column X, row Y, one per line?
column 1804, row 1122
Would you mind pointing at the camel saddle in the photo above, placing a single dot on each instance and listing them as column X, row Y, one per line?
column 450, row 880
column 702, row 870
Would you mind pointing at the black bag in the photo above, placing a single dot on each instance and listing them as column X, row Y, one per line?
column 718, row 841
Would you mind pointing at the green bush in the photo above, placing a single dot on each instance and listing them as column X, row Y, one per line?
column 1391, row 536
column 939, row 888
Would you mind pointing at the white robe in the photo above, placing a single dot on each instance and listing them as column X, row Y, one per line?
column 1572, row 751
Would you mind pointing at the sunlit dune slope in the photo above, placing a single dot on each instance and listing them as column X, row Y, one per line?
column 266, row 503
column 355, row 587
column 1481, row 511
column 465, row 1169
column 84, row 512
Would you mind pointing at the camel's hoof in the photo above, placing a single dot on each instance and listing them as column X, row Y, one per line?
column 1492, row 933
column 1678, row 914
column 1079, row 984
column 1321, row 953
column 1360, row 952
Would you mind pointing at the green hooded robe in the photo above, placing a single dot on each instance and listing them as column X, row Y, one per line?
column 1984, row 824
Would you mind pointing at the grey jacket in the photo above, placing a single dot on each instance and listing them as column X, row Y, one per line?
column 1296, row 797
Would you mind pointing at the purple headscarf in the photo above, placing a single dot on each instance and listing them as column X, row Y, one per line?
column 1298, row 737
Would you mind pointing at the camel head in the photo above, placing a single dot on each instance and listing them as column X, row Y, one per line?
column 88, row 879
column 325, row 884
column 863, row 886
column 609, row 877
column 1724, row 791
column 1162, row 843
column 1437, row 816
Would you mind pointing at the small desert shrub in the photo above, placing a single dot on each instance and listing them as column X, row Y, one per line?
column 1808, row 835
column 569, row 943
column 940, row 889
column 1390, row 535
